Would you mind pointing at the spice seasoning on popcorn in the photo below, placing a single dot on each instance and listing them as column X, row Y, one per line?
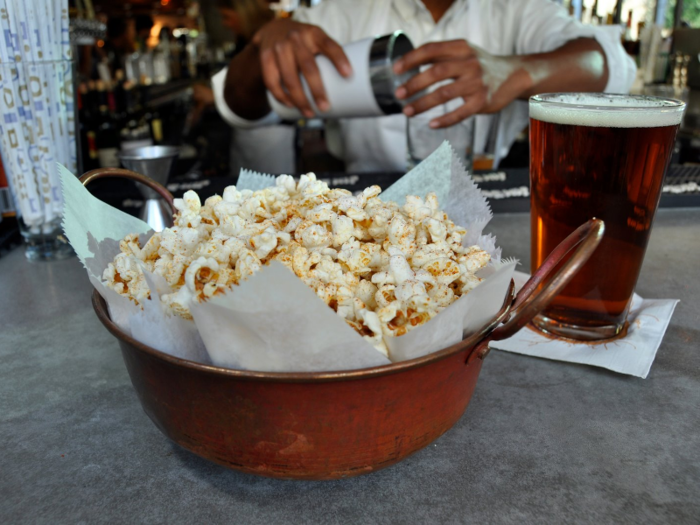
column 384, row 269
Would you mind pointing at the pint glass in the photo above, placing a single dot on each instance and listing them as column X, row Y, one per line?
column 603, row 156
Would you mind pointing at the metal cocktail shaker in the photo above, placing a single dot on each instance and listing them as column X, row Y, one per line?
column 369, row 92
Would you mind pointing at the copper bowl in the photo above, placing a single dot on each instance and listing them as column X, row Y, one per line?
column 329, row 425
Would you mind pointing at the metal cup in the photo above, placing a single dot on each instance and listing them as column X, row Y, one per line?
column 154, row 162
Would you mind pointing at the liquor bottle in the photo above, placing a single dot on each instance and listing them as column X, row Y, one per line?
column 5, row 202
column 129, row 97
column 87, row 120
column 91, row 99
column 627, row 36
column 119, row 95
column 102, row 102
column 631, row 46
column 594, row 18
column 107, row 134
column 107, row 141
column 112, row 102
column 156, row 127
column 161, row 59
column 183, row 57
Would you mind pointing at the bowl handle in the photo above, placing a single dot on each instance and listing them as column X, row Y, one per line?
column 103, row 173
column 542, row 287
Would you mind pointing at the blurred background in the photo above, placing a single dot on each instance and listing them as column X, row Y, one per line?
column 142, row 71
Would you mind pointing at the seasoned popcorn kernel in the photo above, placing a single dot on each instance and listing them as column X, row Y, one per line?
column 384, row 269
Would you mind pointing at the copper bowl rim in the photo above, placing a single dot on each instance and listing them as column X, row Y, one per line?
column 469, row 342
column 515, row 313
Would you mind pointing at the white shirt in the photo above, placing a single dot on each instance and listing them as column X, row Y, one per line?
column 500, row 27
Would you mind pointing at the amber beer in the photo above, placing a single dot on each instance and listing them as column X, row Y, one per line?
column 601, row 156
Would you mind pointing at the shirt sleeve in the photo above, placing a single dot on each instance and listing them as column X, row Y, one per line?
column 543, row 26
column 217, row 83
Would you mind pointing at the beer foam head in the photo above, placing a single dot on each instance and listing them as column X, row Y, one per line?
column 606, row 111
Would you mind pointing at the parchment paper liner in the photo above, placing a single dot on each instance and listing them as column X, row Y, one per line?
column 273, row 321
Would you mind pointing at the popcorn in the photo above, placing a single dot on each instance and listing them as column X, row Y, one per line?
column 189, row 207
column 265, row 242
column 200, row 274
column 384, row 269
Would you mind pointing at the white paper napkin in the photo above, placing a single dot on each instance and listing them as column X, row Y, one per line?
column 632, row 355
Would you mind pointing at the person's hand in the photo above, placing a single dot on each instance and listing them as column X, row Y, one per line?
column 202, row 95
column 288, row 48
column 476, row 77
column 231, row 19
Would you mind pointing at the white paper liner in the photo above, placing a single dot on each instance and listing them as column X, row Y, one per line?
column 254, row 181
column 461, row 319
column 168, row 333
column 273, row 321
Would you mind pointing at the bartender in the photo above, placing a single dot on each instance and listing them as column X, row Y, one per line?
column 491, row 54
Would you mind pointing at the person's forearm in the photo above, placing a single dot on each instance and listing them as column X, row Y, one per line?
column 579, row 65
column 244, row 90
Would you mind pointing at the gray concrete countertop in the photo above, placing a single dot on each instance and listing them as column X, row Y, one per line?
column 541, row 441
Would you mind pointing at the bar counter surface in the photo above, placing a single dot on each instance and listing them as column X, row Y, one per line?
column 541, row 441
